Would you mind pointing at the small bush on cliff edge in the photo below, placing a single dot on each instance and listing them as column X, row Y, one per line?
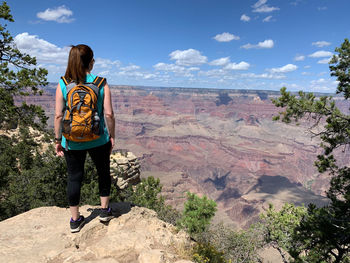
column 197, row 214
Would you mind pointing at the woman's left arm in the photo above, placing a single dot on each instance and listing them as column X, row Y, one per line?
column 58, row 120
column 109, row 114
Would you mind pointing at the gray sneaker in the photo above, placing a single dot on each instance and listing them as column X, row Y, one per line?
column 106, row 214
column 76, row 225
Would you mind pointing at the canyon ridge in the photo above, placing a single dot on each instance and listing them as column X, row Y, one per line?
column 220, row 143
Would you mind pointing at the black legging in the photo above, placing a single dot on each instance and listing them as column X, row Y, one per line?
column 75, row 164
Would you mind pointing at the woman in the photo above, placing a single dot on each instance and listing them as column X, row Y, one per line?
column 80, row 64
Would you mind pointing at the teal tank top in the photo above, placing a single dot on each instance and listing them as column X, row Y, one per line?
column 104, row 138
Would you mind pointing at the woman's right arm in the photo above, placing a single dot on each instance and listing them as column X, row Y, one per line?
column 58, row 120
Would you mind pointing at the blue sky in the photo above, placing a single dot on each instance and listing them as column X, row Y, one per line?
column 240, row 44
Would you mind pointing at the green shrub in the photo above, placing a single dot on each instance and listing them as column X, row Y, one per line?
column 206, row 253
column 235, row 246
column 197, row 214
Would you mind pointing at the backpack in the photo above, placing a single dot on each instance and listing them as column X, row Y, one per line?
column 81, row 122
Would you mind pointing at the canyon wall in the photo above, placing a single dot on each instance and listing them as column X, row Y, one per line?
column 221, row 143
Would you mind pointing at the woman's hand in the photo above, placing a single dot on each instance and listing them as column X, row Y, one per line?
column 59, row 150
column 112, row 144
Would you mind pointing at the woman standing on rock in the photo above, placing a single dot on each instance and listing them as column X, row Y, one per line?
column 83, row 104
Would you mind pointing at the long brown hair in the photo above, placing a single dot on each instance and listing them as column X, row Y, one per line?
column 79, row 60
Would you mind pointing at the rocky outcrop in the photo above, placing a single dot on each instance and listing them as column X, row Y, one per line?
column 125, row 169
column 137, row 235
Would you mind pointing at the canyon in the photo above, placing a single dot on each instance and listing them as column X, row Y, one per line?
column 219, row 143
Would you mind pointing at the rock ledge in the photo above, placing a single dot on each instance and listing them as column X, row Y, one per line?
column 137, row 235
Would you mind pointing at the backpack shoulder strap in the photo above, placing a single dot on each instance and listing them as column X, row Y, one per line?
column 99, row 82
column 69, row 85
column 64, row 80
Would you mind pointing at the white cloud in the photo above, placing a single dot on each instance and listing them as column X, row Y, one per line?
column 188, row 57
column 44, row 51
column 259, row 3
column 268, row 43
column 130, row 68
column 237, row 66
column 291, row 86
column 168, row 67
column 323, row 85
column 59, row 14
column 225, row 37
column 262, row 7
column 324, row 61
column 106, row 63
column 136, row 74
column 318, row 81
column 149, row 76
column 220, row 61
column 307, row 66
column 213, row 73
column 322, row 8
column 245, row 18
column 299, row 58
column 104, row 73
column 53, row 69
column 178, row 70
column 321, row 54
column 321, row 43
column 304, row 73
column 265, row 9
column 267, row 19
column 284, row 69
column 263, row 76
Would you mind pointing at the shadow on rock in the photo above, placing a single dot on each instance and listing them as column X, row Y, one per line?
column 281, row 188
column 273, row 184
column 118, row 209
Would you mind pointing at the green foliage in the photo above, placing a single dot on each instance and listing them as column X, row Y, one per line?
column 169, row 214
column 324, row 233
column 197, row 214
column 235, row 246
column 29, row 175
column 340, row 68
column 318, row 235
column 147, row 194
column 30, row 178
column 279, row 227
column 22, row 79
column 206, row 253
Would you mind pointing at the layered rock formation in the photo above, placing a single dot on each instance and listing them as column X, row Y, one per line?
column 222, row 143
column 43, row 235
column 125, row 169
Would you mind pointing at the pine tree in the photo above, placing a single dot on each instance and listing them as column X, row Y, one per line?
column 197, row 213
column 29, row 176
column 18, row 76
column 324, row 233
